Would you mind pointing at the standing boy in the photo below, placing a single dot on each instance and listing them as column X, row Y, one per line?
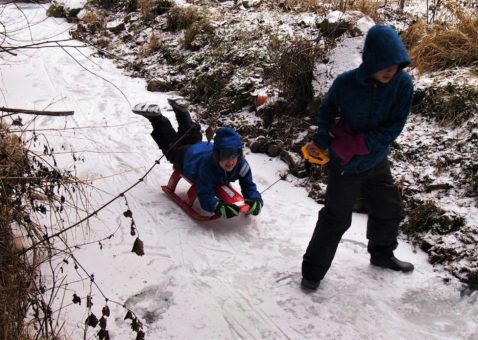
column 363, row 112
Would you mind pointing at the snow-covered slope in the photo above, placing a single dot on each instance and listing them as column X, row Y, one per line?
column 237, row 279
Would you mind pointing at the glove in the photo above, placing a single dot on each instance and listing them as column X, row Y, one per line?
column 255, row 206
column 345, row 143
column 225, row 210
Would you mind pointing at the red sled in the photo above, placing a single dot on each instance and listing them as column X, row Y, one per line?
column 225, row 193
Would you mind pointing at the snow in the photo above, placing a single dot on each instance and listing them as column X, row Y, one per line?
column 222, row 280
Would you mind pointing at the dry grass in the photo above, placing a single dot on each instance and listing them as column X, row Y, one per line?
column 202, row 28
column 180, row 18
column 30, row 189
column 367, row 7
column 15, row 273
column 96, row 17
column 305, row 6
column 152, row 45
column 438, row 47
column 152, row 8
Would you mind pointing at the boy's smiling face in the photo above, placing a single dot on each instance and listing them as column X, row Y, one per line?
column 385, row 75
column 228, row 164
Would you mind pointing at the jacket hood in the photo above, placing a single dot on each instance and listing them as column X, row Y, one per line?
column 383, row 48
column 227, row 139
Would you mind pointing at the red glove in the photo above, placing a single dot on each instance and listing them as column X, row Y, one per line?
column 345, row 143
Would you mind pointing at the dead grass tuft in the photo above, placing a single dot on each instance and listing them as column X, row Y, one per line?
column 368, row 7
column 198, row 34
column 152, row 45
column 438, row 46
column 304, row 6
column 151, row 8
column 180, row 18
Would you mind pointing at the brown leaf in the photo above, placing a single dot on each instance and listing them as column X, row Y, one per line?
column 210, row 133
column 103, row 334
column 136, row 325
column 105, row 311
column 138, row 248
column 128, row 315
column 103, row 322
column 140, row 335
column 76, row 299
column 92, row 320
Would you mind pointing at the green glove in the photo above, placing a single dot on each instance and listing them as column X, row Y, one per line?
column 225, row 210
column 255, row 206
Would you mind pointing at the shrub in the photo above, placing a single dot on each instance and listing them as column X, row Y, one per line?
column 55, row 10
column 293, row 73
column 198, row 34
column 427, row 217
column 449, row 105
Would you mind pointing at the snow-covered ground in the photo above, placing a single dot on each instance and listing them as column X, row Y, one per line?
column 236, row 279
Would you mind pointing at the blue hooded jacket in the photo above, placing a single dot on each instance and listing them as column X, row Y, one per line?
column 202, row 167
column 377, row 110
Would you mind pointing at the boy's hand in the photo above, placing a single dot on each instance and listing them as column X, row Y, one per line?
column 345, row 143
column 225, row 210
column 255, row 206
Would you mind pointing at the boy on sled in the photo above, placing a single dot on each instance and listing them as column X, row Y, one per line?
column 207, row 165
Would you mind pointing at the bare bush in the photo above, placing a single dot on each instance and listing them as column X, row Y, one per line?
column 293, row 71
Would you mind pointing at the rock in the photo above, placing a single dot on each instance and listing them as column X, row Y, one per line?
column 158, row 86
column 259, row 145
column 115, row 26
column 288, row 158
column 273, row 150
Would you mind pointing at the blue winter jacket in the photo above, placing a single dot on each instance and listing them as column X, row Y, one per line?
column 202, row 168
column 377, row 110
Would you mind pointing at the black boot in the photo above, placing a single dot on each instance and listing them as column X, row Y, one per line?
column 392, row 263
column 309, row 285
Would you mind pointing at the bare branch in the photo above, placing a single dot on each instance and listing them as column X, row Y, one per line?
column 37, row 112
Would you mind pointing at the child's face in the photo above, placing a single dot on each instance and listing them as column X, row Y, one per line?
column 385, row 75
column 228, row 164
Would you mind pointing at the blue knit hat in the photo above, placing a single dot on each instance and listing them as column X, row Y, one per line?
column 227, row 143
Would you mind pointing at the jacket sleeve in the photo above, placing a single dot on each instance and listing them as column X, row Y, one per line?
column 205, row 189
column 248, row 187
column 384, row 135
column 326, row 117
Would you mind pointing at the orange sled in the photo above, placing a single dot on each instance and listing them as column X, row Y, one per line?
column 225, row 193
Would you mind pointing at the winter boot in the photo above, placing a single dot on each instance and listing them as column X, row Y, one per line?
column 309, row 285
column 147, row 110
column 179, row 103
column 392, row 263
